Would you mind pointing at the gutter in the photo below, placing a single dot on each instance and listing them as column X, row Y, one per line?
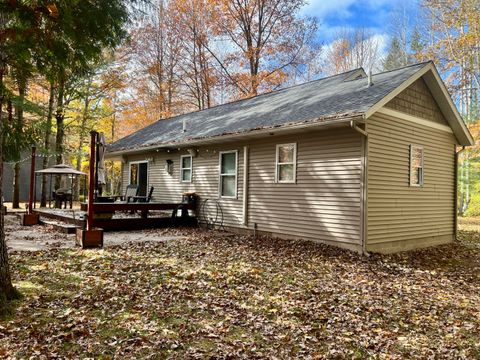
column 363, row 204
column 455, row 192
column 239, row 136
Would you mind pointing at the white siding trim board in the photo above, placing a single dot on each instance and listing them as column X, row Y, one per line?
column 414, row 119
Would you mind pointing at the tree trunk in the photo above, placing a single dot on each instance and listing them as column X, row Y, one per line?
column 7, row 291
column 22, row 88
column 16, row 186
column 59, row 117
column 48, row 134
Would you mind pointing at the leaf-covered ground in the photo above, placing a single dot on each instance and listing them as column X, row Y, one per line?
column 212, row 295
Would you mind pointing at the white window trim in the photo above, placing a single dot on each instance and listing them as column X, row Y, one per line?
column 130, row 170
column 182, row 168
column 413, row 146
column 294, row 163
column 220, row 174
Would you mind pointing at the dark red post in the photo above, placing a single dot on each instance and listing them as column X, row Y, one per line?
column 30, row 218
column 32, row 181
column 91, row 178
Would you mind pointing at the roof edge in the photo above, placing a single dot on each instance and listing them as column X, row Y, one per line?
column 316, row 123
column 440, row 93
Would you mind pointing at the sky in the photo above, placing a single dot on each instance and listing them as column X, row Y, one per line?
column 375, row 15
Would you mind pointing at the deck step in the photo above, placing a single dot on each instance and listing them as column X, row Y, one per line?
column 62, row 227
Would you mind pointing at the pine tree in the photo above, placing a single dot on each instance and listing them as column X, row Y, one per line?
column 396, row 56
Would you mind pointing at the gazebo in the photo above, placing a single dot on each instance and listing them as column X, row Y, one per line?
column 61, row 170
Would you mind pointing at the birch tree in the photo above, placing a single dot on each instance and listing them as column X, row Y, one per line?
column 351, row 50
column 454, row 43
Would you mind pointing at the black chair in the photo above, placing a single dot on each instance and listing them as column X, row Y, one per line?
column 130, row 192
column 145, row 199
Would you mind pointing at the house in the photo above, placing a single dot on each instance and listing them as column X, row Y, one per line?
column 362, row 162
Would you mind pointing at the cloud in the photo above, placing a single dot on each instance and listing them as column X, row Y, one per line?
column 341, row 9
column 336, row 16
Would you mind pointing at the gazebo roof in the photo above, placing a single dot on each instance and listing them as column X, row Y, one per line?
column 61, row 169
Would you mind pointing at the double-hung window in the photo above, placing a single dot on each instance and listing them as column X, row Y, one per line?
column 228, row 174
column 286, row 163
column 416, row 165
column 186, row 168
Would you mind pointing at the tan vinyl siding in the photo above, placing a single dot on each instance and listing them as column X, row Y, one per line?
column 169, row 188
column 417, row 100
column 401, row 216
column 324, row 203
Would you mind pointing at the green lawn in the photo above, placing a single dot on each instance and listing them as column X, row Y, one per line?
column 235, row 296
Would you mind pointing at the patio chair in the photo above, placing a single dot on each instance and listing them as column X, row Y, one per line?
column 146, row 199
column 130, row 192
column 143, row 199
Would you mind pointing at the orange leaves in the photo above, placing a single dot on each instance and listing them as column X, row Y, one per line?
column 192, row 54
column 52, row 10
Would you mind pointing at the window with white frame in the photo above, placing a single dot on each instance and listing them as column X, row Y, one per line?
column 286, row 163
column 228, row 174
column 416, row 165
column 186, row 168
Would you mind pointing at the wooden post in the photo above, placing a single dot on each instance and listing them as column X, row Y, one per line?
column 91, row 178
column 32, row 181
column 30, row 218
column 90, row 237
column 50, row 193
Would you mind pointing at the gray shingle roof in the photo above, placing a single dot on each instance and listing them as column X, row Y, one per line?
column 324, row 98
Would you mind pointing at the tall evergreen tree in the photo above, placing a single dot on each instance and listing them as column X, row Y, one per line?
column 396, row 56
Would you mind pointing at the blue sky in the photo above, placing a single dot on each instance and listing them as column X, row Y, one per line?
column 375, row 15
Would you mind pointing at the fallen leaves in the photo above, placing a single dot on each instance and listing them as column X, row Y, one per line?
column 208, row 295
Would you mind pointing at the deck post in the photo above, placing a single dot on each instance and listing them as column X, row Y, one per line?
column 90, row 237
column 30, row 218
column 32, row 180
column 91, row 178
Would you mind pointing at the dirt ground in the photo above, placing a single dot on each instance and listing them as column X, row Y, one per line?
column 45, row 237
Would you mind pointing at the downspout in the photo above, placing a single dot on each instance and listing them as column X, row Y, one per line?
column 455, row 191
column 363, row 203
column 245, row 185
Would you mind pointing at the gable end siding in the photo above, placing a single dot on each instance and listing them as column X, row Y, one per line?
column 401, row 217
column 417, row 100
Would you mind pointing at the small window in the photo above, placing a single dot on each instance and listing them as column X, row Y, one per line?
column 286, row 163
column 228, row 174
column 186, row 168
column 416, row 165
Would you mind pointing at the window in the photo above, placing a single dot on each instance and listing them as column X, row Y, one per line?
column 286, row 163
column 186, row 168
column 416, row 165
column 228, row 174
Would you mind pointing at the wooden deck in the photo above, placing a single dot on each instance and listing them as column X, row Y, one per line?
column 105, row 215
